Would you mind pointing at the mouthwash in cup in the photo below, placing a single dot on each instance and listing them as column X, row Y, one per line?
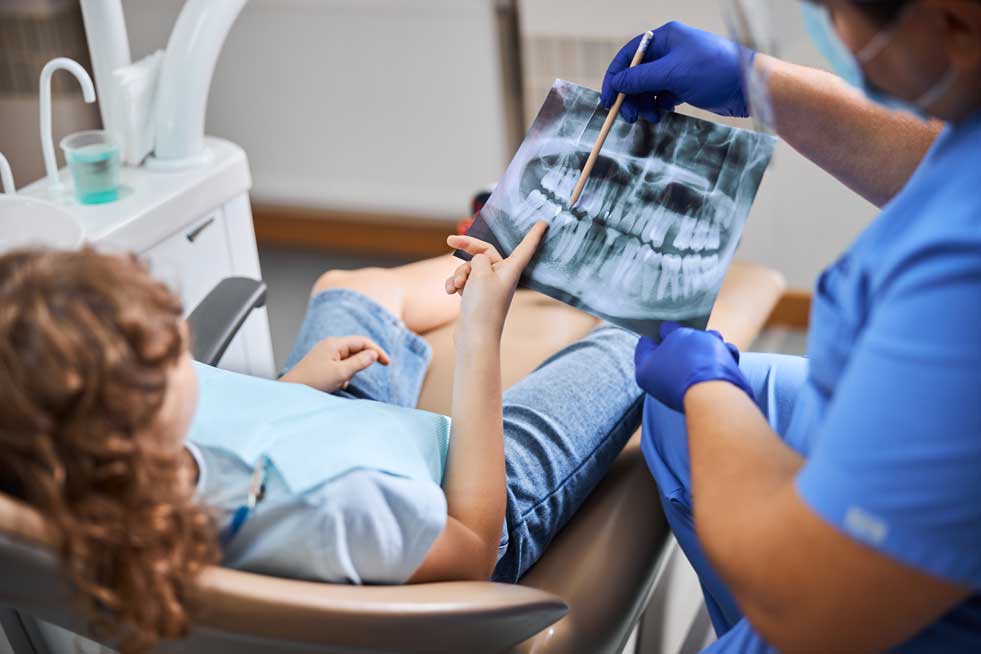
column 93, row 159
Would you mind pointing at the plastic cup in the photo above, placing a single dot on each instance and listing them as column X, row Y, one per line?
column 93, row 159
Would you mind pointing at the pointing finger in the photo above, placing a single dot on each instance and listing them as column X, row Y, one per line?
column 529, row 244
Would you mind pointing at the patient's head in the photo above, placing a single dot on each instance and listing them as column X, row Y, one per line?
column 98, row 394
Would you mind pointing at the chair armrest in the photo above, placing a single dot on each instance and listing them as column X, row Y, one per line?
column 313, row 617
column 219, row 316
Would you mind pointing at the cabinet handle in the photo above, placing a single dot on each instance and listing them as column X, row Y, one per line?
column 194, row 233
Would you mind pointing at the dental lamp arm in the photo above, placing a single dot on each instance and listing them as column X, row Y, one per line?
column 868, row 148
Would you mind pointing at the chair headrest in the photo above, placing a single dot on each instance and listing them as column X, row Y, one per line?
column 21, row 521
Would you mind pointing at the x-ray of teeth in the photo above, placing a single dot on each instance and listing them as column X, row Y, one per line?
column 656, row 227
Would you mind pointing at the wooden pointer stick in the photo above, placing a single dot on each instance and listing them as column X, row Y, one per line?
column 601, row 139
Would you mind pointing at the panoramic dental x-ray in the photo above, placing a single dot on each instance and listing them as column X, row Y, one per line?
column 655, row 229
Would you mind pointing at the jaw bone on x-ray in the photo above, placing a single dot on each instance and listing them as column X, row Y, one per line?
column 657, row 224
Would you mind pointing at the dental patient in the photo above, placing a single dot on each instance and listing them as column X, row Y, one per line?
column 150, row 467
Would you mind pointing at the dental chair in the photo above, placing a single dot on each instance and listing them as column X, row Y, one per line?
column 586, row 594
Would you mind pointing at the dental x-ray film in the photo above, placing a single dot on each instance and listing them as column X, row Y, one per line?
column 656, row 227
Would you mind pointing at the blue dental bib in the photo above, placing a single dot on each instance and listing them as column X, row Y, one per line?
column 313, row 437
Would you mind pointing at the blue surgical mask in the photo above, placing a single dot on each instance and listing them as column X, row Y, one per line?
column 848, row 66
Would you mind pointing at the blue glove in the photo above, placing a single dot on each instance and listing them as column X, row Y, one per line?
column 683, row 358
column 682, row 64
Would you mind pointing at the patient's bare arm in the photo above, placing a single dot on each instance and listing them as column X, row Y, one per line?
column 475, row 480
column 869, row 148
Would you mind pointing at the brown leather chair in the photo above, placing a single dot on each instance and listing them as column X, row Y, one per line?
column 585, row 595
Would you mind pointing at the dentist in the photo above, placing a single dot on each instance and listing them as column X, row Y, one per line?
column 833, row 503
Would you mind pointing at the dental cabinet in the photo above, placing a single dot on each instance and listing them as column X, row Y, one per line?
column 192, row 227
column 182, row 200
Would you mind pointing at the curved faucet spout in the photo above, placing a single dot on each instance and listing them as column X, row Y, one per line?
column 88, row 93
column 185, row 79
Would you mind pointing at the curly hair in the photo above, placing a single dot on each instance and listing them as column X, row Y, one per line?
column 87, row 342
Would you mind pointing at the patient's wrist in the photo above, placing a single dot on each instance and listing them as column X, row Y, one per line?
column 479, row 340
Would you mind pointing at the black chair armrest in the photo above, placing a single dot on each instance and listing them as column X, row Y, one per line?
column 219, row 316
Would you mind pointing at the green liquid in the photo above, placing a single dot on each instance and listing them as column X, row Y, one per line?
column 95, row 169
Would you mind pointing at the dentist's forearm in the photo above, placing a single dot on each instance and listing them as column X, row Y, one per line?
column 474, row 483
column 870, row 149
column 740, row 468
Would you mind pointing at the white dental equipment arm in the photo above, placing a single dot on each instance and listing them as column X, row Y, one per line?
column 105, row 29
column 88, row 92
column 6, row 176
column 185, row 75
column 185, row 79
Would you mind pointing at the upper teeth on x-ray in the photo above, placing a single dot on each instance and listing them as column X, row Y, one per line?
column 657, row 224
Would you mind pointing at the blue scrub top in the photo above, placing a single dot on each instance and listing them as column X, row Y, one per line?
column 886, row 410
column 890, row 416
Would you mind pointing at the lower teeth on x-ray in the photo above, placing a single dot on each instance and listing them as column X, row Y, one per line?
column 657, row 224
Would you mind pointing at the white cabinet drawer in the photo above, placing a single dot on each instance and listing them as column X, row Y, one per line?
column 192, row 261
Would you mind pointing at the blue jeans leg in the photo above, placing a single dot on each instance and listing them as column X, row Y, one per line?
column 564, row 425
column 775, row 380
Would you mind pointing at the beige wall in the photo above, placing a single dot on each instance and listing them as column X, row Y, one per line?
column 373, row 105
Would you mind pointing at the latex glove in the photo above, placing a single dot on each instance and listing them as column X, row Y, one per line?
column 682, row 64
column 331, row 364
column 683, row 358
column 487, row 282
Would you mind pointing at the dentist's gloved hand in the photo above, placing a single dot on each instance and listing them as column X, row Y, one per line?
column 683, row 358
column 682, row 64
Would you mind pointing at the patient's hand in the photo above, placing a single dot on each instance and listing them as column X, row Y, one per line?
column 488, row 281
column 332, row 362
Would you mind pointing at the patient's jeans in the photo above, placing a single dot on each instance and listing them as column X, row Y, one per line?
column 564, row 425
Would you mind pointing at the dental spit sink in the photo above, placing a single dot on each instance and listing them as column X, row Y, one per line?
column 26, row 221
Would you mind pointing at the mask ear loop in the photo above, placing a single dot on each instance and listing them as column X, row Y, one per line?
column 939, row 90
column 877, row 45
column 883, row 38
